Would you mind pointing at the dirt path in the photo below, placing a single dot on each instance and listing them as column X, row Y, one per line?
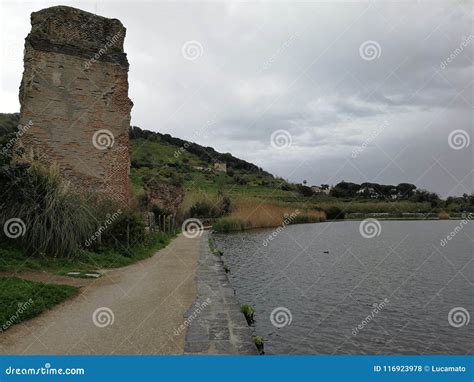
column 146, row 302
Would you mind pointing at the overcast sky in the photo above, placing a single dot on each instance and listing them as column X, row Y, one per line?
column 316, row 91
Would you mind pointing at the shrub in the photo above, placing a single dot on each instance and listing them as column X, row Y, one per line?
column 51, row 220
column 443, row 215
column 203, row 209
column 304, row 190
column 333, row 212
column 249, row 312
column 302, row 219
column 225, row 204
column 116, row 235
column 259, row 343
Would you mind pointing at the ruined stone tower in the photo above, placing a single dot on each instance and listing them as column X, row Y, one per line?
column 74, row 98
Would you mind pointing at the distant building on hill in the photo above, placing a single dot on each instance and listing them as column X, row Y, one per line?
column 220, row 167
column 368, row 192
column 324, row 189
column 203, row 169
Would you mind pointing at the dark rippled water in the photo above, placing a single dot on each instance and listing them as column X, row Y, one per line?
column 403, row 279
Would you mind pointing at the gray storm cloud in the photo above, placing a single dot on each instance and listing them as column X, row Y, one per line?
column 301, row 67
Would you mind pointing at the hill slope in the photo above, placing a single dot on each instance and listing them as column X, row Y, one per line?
column 169, row 160
column 173, row 160
column 178, row 162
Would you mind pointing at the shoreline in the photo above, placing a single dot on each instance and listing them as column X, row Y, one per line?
column 216, row 325
column 351, row 219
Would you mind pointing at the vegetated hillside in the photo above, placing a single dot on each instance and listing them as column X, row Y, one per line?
column 179, row 162
column 172, row 160
column 8, row 125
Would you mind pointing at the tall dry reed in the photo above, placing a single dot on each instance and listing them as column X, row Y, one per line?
column 251, row 214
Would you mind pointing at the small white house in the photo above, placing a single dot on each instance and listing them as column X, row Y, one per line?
column 220, row 167
column 323, row 189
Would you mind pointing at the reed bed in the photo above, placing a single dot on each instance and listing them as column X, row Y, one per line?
column 251, row 214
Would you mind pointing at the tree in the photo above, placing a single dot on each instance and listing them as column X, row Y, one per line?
column 304, row 190
column 406, row 189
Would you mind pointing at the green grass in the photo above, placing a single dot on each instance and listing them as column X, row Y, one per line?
column 12, row 260
column 21, row 300
column 258, row 341
column 248, row 311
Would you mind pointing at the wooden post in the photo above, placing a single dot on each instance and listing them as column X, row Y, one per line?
column 128, row 233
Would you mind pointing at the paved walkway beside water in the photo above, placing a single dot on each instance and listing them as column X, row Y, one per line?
column 214, row 323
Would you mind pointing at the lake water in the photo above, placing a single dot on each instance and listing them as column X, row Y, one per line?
column 334, row 291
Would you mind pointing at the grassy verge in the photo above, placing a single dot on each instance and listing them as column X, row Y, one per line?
column 12, row 260
column 21, row 300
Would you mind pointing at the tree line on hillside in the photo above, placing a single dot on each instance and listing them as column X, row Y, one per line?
column 8, row 126
column 373, row 190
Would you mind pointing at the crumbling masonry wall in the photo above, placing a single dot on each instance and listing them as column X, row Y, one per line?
column 75, row 93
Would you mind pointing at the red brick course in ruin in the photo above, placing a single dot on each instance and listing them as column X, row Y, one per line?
column 75, row 93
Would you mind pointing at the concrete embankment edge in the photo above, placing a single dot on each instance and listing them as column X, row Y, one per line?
column 214, row 322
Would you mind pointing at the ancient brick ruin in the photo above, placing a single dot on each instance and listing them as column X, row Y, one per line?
column 75, row 93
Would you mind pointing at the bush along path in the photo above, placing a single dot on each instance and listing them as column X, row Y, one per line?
column 214, row 323
column 137, row 309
